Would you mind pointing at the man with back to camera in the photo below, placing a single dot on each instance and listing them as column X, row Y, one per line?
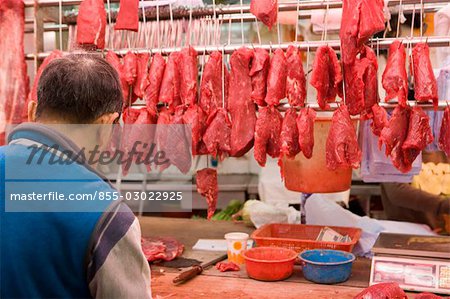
column 94, row 254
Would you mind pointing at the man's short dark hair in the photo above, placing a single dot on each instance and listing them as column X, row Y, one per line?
column 79, row 88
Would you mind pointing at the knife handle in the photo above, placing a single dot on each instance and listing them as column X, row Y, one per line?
column 188, row 274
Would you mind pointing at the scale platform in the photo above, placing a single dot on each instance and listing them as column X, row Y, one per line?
column 416, row 263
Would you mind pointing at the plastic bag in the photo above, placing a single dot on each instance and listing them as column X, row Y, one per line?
column 263, row 213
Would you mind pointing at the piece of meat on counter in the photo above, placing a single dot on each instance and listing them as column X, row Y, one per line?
column 217, row 134
column 394, row 135
column 188, row 76
column 276, row 78
column 227, row 266
column 425, row 85
column 211, row 89
column 195, row 118
column 379, row 119
column 267, row 134
column 289, row 134
column 115, row 62
column 161, row 248
column 296, row 80
column 265, row 10
column 342, row 150
column 207, row 186
column 395, row 79
column 91, row 24
column 169, row 92
column 240, row 105
column 259, row 72
column 141, row 82
column 305, row 125
column 383, row 290
column 419, row 135
column 444, row 133
column 128, row 16
column 155, row 76
column 326, row 76
column 427, row 296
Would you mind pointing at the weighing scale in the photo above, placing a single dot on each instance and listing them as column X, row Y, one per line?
column 416, row 263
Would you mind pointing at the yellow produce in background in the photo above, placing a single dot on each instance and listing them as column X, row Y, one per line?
column 433, row 178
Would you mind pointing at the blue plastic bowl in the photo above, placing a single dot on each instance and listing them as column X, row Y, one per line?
column 327, row 266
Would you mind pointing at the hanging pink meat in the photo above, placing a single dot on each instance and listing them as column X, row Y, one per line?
column 289, row 134
column 305, row 125
column 208, row 187
column 265, row 10
column 218, row 133
column 267, row 134
column 419, row 135
column 259, row 72
column 379, row 119
column 326, row 76
column 91, row 24
column 141, row 82
column 240, row 105
column 13, row 68
column 296, row 80
column 394, row 135
column 130, row 67
column 211, row 95
column 395, row 80
column 370, row 79
column 188, row 76
column 342, row 150
column 128, row 16
column 195, row 118
column 276, row 78
column 154, row 78
column 444, row 133
column 114, row 60
column 169, row 92
column 425, row 85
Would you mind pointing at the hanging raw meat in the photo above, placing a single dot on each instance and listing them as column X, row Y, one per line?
column 395, row 80
column 326, row 76
column 130, row 68
column 240, row 105
column 188, row 76
column 169, row 92
column 296, row 80
column 259, row 72
column 13, row 69
column 305, row 126
column 444, row 133
column 91, row 24
column 342, row 150
column 195, row 118
column 379, row 119
column 211, row 96
column 265, row 10
column 155, row 76
column 207, row 186
column 141, row 82
column 218, row 133
column 128, row 16
column 394, row 135
column 289, row 134
column 267, row 134
column 419, row 135
column 425, row 85
column 114, row 60
column 276, row 78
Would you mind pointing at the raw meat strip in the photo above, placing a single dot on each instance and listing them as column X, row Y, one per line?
column 265, row 10
column 130, row 115
column 196, row 118
column 342, row 145
column 419, row 135
column 188, row 76
column 155, row 76
column 444, row 133
column 326, row 76
column 425, row 85
column 13, row 69
column 162, row 248
column 227, row 266
column 296, row 80
column 91, row 24
column 305, row 126
column 217, row 134
column 289, row 134
column 427, row 296
column 130, row 68
column 383, row 290
column 394, row 135
column 240, row 105
column 169, row 92
column 259, row 72
column 379, row 120
column 128, row 16
column 207, row 186
column 395, row 80
column 211, row 96
column 276, row 79
column 370, row 79
column 141, row 82
column 267, row 134
column 114, row 60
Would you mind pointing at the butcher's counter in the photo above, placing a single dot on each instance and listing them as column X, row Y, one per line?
column 214, row 284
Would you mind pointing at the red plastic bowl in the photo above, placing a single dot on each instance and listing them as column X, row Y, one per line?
column 269, row 263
